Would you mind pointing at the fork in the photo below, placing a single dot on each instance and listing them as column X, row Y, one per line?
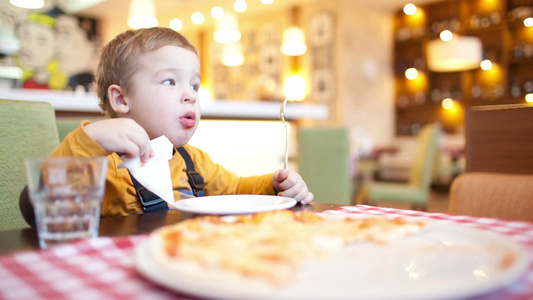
column 282, row 117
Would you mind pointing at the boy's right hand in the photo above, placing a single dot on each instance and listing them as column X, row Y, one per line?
column 121, row 135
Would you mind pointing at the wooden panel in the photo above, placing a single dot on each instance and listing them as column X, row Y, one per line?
column 499, row 139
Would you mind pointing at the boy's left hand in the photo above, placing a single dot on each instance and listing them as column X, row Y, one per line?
column 288, row 183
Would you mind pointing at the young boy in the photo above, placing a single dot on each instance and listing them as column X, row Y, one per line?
column 147, row 81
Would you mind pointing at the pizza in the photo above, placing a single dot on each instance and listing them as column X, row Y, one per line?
column 269, row 246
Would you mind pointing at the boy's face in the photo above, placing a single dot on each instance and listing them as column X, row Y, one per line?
column 163, row 97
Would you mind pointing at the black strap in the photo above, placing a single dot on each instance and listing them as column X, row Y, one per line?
column 195, row 179
column 152, row 203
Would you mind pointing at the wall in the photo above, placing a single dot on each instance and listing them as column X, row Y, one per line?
column 57, row 50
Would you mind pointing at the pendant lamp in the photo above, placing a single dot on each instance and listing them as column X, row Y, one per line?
column 461, row 53
column 232, row 54
column 142, row 14
column 227, row 29
column 293, row 41
column 294, row 36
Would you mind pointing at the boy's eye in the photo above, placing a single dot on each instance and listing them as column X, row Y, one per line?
column 169, row 82
column 195, row 87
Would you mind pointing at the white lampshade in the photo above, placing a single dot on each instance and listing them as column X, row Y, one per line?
column 227, row 29
column 459, row 54
column 293, row 42
column 31, row 4
column 232, row 55
column 142, row 14
column 294, row 87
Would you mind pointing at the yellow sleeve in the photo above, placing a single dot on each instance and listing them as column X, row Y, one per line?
column 120, row 197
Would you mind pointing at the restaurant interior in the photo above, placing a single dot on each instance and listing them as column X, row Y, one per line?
column 411, row 123
column 389, row 100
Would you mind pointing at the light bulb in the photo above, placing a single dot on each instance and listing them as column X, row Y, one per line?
column 198, row 18
column 411, row 73
column 176, row 24
column 446, row 35
column 409, row 9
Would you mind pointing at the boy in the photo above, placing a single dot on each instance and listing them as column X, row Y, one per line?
column 147, row 81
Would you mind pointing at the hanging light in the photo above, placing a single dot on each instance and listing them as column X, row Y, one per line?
column 227, row 29
column 293, row 41
column 461, row 53
column 31, row 4
column 197, row 18
column 176, row 24
column 232, row 55
column 142, row 14
column 294, row 87
column 217, row 12
column 240, row 5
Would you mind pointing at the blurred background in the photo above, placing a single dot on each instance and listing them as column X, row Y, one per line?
column 378, row 70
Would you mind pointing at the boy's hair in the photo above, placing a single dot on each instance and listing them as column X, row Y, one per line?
column 118, row 61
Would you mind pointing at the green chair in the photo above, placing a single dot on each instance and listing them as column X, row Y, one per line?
column 65, row 126
column 416, row 190
column 28, row 129
column 323, row 158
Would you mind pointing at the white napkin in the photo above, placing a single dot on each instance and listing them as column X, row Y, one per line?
column 154, row 174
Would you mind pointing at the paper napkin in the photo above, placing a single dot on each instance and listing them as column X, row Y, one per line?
column 154, row 174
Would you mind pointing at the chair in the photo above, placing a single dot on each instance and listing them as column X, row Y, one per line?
column 28, row 130
column 323, row 158
column 492, row 195
column 416, row 190
column 65, row 126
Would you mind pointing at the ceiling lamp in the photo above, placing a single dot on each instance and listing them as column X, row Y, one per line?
column 293, row 42
column 232, row 55
column 31, row 4
column 293, row 36
column 142, row 14
column 294, row 86
column 461, row 53
column 240, row 5
column 227, row 29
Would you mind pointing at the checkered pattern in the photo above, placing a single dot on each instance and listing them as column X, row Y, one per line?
column 104, row 268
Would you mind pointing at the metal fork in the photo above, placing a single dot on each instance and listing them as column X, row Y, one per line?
column 282, row 117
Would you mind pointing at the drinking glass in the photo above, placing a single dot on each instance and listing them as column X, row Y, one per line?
column 66, row 194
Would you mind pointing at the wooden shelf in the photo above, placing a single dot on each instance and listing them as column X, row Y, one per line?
column 499, row 26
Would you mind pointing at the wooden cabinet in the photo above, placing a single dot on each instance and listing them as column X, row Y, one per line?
column 506, row 42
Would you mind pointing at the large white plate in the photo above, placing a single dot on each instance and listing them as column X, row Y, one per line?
column 446, row 261
column 234, row 204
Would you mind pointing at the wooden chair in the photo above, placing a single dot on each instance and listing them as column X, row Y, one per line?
column 323, row 158
column 416, row 191
column 28, row 129
column 493, row 195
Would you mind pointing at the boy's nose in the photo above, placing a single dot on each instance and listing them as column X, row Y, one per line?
column 189, row 97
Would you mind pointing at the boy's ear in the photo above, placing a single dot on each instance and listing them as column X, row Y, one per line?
column 117, row 99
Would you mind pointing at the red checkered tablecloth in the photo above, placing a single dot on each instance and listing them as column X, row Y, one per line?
column 104, row 268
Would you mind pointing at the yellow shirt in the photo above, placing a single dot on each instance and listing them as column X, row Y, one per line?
column 120, row 196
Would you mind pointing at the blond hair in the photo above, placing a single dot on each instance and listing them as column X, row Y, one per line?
column 118, row 61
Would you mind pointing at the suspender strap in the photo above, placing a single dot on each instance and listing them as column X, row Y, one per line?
column 150, row 201
column 195, row 179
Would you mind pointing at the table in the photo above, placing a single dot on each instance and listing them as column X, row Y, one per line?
column 104, row 267
column 26, row 239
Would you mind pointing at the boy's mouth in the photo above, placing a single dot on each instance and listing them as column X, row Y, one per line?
column 188, row 120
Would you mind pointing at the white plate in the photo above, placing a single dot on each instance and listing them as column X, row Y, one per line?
column 446, row 261
column 234, row 204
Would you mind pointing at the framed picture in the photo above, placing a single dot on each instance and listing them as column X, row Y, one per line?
column 321, row 29
column 323, row 88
